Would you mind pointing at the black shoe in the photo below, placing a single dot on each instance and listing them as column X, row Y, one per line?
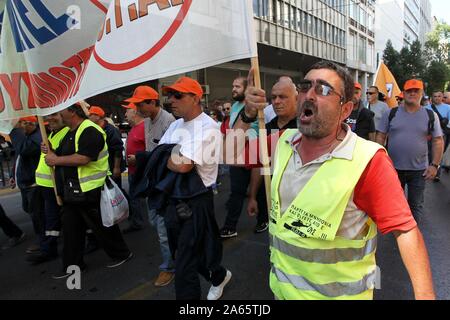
column 437, row 179
column 116, row 263
column 130, row 229
column 227, row 233
column 41, row 258
column 14, row 241
column 261, row 227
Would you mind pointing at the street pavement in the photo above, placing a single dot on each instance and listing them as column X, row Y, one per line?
column 246, row 256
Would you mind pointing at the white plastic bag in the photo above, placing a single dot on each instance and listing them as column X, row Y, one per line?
column 446, row 158
column 113, row 204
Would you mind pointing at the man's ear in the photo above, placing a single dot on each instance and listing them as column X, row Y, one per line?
column 346, row 110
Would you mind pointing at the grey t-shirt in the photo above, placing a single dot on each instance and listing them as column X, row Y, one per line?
column 407, row 143
column 379, row 109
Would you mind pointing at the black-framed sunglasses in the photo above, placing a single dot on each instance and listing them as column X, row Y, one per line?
column 370, row 93
column 320, row 88
column 177, row 95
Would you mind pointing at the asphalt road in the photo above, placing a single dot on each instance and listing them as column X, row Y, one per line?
column 246, row 256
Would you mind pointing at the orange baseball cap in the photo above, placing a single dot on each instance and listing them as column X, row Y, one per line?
column 97, row 111
column 358, row 86
column 142, row 93
column 130, row 106
column 29, row 119
column 185, row 85
column 413, row 84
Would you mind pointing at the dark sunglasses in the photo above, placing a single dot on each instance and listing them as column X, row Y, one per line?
column 370, row 93
column 177, row 95
column 320, row 88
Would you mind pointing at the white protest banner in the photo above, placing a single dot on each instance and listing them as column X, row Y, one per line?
column 46, row 46
column 140, row 40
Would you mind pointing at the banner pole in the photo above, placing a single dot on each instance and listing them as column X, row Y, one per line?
column 264, row 154
column 52, row 169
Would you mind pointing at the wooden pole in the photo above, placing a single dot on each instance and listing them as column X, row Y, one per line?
column 264, row 154
column 47, row 144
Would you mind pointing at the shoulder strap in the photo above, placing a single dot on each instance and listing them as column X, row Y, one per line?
column 431, row 120
column 437, row 112
column 392, row 114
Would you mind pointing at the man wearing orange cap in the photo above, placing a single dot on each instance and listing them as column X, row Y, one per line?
column 361, row 119
column 156, row 122
column 399, row 99
column 410, row 128
column 114, row 142
column 198, row 137
column 26, row 140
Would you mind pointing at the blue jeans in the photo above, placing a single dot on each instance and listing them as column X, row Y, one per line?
column 416, row 187
column 138, row 207
column 157, row 221
column 239, row 181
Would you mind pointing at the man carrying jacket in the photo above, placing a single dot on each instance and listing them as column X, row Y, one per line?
column 196, row 237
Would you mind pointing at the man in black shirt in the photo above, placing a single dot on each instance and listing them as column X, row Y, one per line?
column 81, row 170
column 361, row 119
column 284, row 101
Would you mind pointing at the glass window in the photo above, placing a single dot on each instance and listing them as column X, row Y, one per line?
column 275, row 11
column 286, row 14
column 293, row 18
column 256, row 8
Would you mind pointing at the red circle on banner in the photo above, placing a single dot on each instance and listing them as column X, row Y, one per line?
column 153, row 50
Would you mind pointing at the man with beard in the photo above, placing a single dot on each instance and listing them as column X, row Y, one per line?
column 361, row 119
column 239, row 176
column 331, row 190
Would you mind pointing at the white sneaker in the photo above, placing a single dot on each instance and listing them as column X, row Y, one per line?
column 216, row 292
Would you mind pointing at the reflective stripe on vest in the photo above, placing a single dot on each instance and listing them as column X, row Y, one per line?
column 93, row 174
column 43, row 173
column 332, row 290
column 325, row 256
column 308, row 260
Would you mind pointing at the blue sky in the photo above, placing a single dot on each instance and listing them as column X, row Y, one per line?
column 441, row 9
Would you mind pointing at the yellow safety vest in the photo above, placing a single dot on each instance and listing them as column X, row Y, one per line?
column 43, row 173
column 92, row 175
column 309, row 261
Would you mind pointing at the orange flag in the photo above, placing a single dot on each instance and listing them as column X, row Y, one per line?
column 386, row 83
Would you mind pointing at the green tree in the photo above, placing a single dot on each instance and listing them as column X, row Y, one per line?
column 391, row 58
column 437, row 47
column 438, row 73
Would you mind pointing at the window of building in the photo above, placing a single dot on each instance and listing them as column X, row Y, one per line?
column 280, row 12
column 293, row 18
column 275, row 11
column 362, row 50
column 286, row 14
column 315, row 27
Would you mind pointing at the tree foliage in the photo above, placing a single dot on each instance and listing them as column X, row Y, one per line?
column 431, row 63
